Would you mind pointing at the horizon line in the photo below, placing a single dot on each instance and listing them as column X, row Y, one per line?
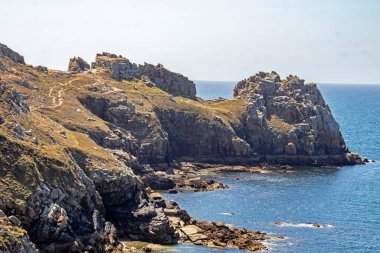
column 332, row 83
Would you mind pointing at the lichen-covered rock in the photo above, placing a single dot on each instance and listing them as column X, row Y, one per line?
column 78, row 64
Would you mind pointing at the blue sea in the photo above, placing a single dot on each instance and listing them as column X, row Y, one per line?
column 347, row 199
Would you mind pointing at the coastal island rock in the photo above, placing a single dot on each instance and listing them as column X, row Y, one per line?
column 80, row 148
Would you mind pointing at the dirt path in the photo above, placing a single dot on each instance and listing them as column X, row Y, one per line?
column 57, row 99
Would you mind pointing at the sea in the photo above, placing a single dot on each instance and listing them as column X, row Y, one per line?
column 346, row 200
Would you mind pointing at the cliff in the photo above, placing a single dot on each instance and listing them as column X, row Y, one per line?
column 121, row 68
column 78, row 148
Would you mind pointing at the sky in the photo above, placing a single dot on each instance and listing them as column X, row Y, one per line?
column 327, row 41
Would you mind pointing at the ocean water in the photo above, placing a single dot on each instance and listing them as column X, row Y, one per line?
column 346, row 199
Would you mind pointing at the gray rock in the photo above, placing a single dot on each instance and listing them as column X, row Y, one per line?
column 29, row 132
column 19, row 131
column 5, row 51
column 15, row 220
column 42, row 69
column 78, row 64
column 121, row 68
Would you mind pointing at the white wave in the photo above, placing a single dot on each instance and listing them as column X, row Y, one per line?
column 230, row 214
column 303, row 225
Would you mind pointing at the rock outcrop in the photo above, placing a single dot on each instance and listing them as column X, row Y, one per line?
column 121, row 68
column 288, row 121
column 78, row 64
column 13, row 238
column 174, row 83
column 6, row 51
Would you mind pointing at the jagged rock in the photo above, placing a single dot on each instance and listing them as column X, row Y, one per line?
column 14, row 220
column 198, row 184
column 121, row 68
column 42, row 69
column 29, row 132
column 158, row 181
column 35, row 140
column 19, row 131
column 173, row 83
column 221, row 235
column 289, row 117
column 13, row 238
column 1, row 120
column 5, row 51
column 78, row 64
column 20, row 101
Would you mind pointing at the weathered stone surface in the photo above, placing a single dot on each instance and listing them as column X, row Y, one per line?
column 78, row 64
column 13, row 238
column 173, row 83
column 6, row 51
column 218, row 234
column 121, row 68
column 288, row 121
column 40, row 68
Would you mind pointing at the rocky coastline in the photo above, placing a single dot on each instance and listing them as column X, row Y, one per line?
column 83, row 152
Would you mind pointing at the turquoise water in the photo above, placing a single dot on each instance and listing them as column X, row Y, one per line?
column 348, row 198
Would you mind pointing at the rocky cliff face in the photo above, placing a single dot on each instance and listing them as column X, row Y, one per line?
column 78, row 64
column 69, row 193
column 78, row 148
column 288, row 121
column 121, row 68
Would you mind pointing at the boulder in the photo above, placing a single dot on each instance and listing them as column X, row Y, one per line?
column 7, row 52
column 78, row 64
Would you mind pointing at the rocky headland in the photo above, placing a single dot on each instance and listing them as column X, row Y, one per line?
column 81, row 150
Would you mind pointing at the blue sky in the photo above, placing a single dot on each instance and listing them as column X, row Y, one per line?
column 322, row 41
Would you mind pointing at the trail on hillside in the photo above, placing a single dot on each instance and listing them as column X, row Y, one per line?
column 57, row 99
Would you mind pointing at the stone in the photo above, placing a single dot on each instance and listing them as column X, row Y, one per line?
column 29, row 132
column 19, row 131
column 172, row 191
column 15, row 220
column 78, row 64
column 6, row 51
column 1, row 120
column 42, row 69
column 290, row 149
column 35, row 140
column 121, row 68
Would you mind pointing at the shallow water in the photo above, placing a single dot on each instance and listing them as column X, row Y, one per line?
column 346, row 200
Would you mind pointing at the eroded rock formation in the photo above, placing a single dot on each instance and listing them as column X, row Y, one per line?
column 79, row 148
column 121, row 68
column 78, row 64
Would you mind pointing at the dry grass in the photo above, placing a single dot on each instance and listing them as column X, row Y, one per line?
column 279, row 124
column 9, row 229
